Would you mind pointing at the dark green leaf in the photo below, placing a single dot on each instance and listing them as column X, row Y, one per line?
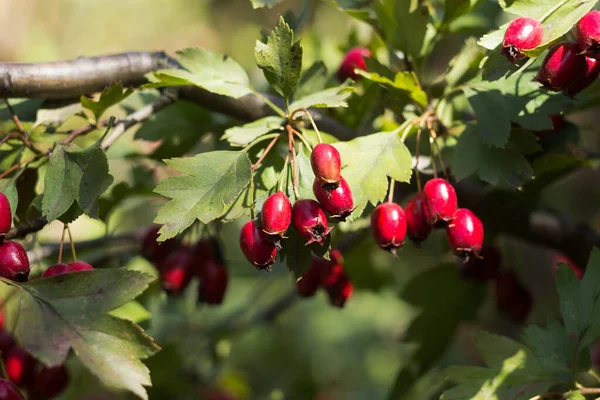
column 493, row 113
column 313, row 80
column 114, row 94
column 9, row 189
column 406, row 30
column 241, row 136
column 552, row 348
column 328, row 98
column 405, row 82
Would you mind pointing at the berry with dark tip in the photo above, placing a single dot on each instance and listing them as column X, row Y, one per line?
column 55, row 270
column 14, row 263
column 309, row 219
column 465, row 233
column 308, row 284
column 49, row 382
column 592, row 70
column 440, row 202
column 213, row 282
column 326, row 163
column 388, row 225
column 20, row 366
column 276, row 214
column 9, row 391
column 562, row 66
column 522, row 34
column 417, row 227
column 175, row 272
column 256, row 246
column 156, row 251
column 354, row 59
column 76, row 266
column 5, row 214
column 588, row 33
column 483, row 268
column 337, row 202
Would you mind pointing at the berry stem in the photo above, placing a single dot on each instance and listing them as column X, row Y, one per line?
column 62, row 243
column 251, row 195
column 431, row 153
column 292, row 150
column 268, row 102
column 283, row 172
column 312, row 122
column 439, row 153
column 301, row 137
column 260, row 139
column 264, row 154
column 391, row 190
column 418, row 145
column 72, row 243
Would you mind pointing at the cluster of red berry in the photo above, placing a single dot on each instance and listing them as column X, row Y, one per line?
column 569, row 66
column 14, row 263
column 328, row 274
column 178, row 264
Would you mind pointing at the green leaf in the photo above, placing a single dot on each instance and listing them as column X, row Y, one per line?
column 114, row 94
column 456, row 8
column 132, row 311
column 241, row 136
column 492, row 111
column 404, row 82
column 216, row 73
column 264, row 3
column 69, row 311
column 313, row 80
column 552, row 348
column 494, row 38
column 367, row 162
column 75, row 175
column 210, row 184
column 328, row 98
column 465, row 64
column 280, row 59
column 9, row 188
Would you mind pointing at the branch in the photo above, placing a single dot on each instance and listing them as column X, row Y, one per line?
column 24, row 230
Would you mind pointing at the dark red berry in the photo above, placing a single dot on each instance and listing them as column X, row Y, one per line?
column 308, row 284
column 176, row 273
column 156, row 251
column 417, row 226
column 440, row 202
column 326, row 163
column 20, row 366
column 388, row 225
column 213, row 282
column 354, row 59
column 341, row 292
column 465, row 233
column 561, row 258
column 588, row 33
column 9, row 391
column 562, row 66
column 310, row 221
column 5, row 214
column 7, row 341
column 256, row 246
column 276, row 214
column 522, row 34
column 512, row 297
column 76, row 266
column 207, row 249
column 49, row 382
column 557, row 121
column 592, row 69
column 483, row 268
column 57, row 269
column 337, row 202
column 14, row 263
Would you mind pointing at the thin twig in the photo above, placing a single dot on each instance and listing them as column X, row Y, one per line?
column 292, row 150
column 391, row 190
column 417, row 159
column 439, row 152
column 312, row 122
column 15, row 117
column 301, row 137
column 284, row 172
column 62, row 243
column 72, row 243
column 265, row 153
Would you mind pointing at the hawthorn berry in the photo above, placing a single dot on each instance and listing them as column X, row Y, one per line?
column 213, row 282
column 337, row 202
column 308, row 284
column 7, row 341
column 340, row 292
column 588, row 33
column 354, row 59
column 326, row 163
column 76, row 266
column 256, row 246
column 49, row 382
column 592, row 70
column 207, row 249
column 175, row 272
column 481, row 269
column 156, row 251
column 309, row 219
column 561, row 258
column 14, row 263
column 9, row 391
column 417, row 227
column 276, row 214
column 522, row 34
column 465, row 233
column 388, row 225
column 20, row 366
column 440, row 202
column 512, row 297
column 55, row 270
column 5, row 214
column 562, row 66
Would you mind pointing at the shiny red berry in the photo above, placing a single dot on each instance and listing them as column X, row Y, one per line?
column 562, row 66
column 309, row 219
column 512, row 297
column 7, row 341
column 9, row 391
column 483, row 268
column 213, row 282
column 522, row 34
column 256, row 246
column 308, row 284
column 175, row 272
column 561, row 258
column 156, row 251
column 465, row 233
column 20, row 366
column 49, row 382
column 326, row 163
column 354, row 59
column 337, row 202
column 417, row 227
column 5, row 214
column 76, row 266
column 588, row 33
column 440, row 202
column 388, row 225
column 276, row 214
column 55, row 270
column 592, row 69
column 14, row 263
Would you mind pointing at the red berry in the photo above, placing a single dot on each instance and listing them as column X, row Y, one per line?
column 481, row 269
column 5, row 214
column 561, row 258
column 334, row 279
column 588, row 33
column 326, row 163
column 557, row 121
column 256, row 246
column 354, row 59
column 156, row 251
column 388, row 225
column 337, row 202
column 276, row 214
column 440, row 202
column 562, row 66
column 308, row 284
column 511, row 297
column 341, row 291
column 76, row 266
column 9, row 391
column 465, row 233
column 175, row 272
column 207, row 249
column 14, row 263
column 522, row 34
column 20, row 366
column 310, row 221
column 592, row 69
column 7, row 342
column 49, row 382
column 417, row 227
column 57, row 269
column 213, row 282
